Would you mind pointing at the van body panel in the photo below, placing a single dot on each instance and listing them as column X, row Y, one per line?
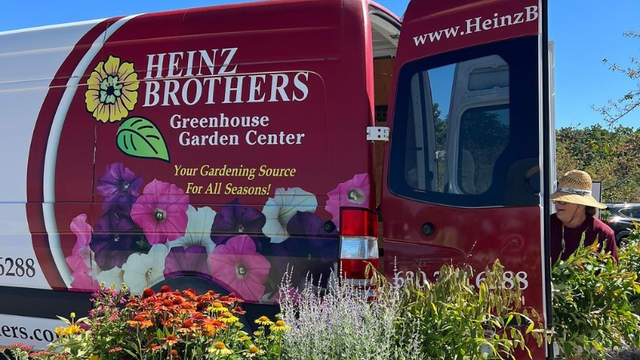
column 462, row 177
column 217, row 143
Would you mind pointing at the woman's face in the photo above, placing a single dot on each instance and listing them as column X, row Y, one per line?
column 567, row 211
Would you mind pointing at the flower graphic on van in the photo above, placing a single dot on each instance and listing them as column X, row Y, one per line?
column 111, row 277
column 186, row 261
column 282, row 207
column 145, row 270
column 112, row 90
column 354, row 192
column 118, row 185
column 234, row 219
column 198, row 230
column 115, row 237
column 239, row 266
column 161, row 212
column 81, row 257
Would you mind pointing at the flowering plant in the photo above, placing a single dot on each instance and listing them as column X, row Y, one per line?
column 163, row 325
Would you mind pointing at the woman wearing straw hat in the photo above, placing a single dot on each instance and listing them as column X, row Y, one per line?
column 574, row 216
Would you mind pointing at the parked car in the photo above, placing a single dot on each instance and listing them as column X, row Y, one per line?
column 621, row 218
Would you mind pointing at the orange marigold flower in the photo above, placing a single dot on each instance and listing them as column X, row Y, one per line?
column 174, row 354
column 171, row 340
column 189, row 293
column 198, row 316
column 141, row 321
column 188, row 326
column 147, row 293
column 238, row 310
column 165, row 289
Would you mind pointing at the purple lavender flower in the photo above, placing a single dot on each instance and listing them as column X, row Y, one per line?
column 115, row 237
column 118, row 185
column 310, row 250
column 234, row 219
column 192, row 260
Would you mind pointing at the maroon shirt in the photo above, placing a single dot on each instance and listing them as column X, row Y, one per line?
column 591, row 228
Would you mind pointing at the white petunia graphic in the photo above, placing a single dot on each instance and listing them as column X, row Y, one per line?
column 144, row 270
column 111, row 277
column 198, row 231
column 282, row 207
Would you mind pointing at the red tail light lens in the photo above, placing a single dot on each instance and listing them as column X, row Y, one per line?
column 358, row 242
column 358, row 222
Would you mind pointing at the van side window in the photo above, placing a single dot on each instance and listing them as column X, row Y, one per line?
column 453, row 138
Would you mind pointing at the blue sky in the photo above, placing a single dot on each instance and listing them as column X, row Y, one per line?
column 584, row 32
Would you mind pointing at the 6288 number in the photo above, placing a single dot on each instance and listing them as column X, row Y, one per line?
column 17, row 267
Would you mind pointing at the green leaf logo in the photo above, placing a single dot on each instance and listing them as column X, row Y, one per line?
column 139, row 137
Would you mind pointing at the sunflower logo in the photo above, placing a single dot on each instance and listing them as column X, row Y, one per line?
column 112, row 90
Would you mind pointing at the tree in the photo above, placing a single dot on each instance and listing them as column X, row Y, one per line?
column 615, row 110
column 611, row 156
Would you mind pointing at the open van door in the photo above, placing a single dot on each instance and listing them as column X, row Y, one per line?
column 466, row 170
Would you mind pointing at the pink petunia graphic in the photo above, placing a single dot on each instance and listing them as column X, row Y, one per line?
column 352, row 193
column 238, row 265
column 80, row 259
column 161, row 212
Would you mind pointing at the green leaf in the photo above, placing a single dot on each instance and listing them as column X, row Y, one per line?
column 139, row 137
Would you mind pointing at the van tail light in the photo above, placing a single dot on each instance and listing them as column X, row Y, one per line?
column 358, row 243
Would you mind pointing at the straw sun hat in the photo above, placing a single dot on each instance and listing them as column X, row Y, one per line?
column 575, row 187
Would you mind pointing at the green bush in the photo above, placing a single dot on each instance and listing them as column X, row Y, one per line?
column 458, row 321
column 595, row 301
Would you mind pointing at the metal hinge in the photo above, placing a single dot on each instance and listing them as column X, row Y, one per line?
column 377, row 133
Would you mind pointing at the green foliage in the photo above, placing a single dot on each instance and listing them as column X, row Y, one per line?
column 458, row 321
column 595, row 302
column 608, row 155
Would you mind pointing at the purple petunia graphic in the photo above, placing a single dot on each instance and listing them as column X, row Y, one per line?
column 234, row 218
column 161, row 212
column 193, row 260
column 309, row 251
column 118, row 185
column 354, row 192
column 238, row 265
column 115, row 237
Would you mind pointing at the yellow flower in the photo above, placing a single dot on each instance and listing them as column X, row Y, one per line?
column 264, row 321
column 94, row 357
column 73, row 315
column 59, row 330
column 220, row 349
column 73, row 329
column 228, row 318
column 217, row 307
column 280, row 326
column 112, row 90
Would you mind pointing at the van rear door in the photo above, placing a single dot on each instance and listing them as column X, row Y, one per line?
column 467, row 156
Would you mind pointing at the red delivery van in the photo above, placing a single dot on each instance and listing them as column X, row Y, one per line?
column 219, row 147
column 209, row 148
